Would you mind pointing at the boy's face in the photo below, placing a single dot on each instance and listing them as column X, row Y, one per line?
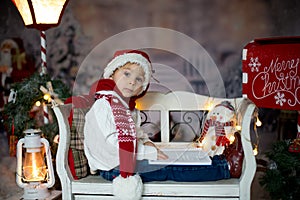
column 129, row 79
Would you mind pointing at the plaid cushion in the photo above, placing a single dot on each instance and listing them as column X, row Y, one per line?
column 76, row 143
column 77, row 135
column 80, row 163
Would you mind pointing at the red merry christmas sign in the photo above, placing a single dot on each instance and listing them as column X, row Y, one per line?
column 271, row 76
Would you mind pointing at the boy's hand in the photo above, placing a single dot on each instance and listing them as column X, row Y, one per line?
column 161, row 155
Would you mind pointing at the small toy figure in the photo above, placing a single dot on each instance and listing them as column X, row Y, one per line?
column 15, row 65
column 218, row 128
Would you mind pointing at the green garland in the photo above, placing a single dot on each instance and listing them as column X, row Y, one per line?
column 17, row 114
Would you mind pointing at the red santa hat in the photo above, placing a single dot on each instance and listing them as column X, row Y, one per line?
column 130, row 56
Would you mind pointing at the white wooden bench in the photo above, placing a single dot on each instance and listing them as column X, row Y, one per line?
column 95, row 187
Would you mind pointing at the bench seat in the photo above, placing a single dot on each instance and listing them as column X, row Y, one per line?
column 95, row 187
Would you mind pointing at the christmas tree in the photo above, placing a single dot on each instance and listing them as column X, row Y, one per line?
column 281, row 178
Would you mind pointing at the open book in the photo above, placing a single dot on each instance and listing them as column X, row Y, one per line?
column 186, row 156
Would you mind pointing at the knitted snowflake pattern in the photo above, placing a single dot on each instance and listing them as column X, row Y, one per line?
column 125, row 124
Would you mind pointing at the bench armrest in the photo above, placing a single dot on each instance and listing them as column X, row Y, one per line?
column 62, row 112
column 249, row 164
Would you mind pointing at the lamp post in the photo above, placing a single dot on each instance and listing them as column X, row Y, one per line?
column 41, row 15
column 33, row 174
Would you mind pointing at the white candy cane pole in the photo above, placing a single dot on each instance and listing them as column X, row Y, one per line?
column 46, row 114
column 43, row 52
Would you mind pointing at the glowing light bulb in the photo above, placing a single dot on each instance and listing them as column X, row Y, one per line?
column 47, row 97
column 209, row 106
column 258, row 122
column 56, row 139
column 38, row 103
column 231, row 139
column 238, row 127
column 255, row 151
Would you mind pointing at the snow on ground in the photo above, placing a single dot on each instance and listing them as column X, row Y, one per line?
column 8, row 186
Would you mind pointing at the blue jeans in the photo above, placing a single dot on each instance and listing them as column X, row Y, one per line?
column 216, row 171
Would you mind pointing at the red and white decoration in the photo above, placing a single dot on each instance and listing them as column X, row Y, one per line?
column 43, row 52
column 271, row 72
column 218, row 128
column 271, row 75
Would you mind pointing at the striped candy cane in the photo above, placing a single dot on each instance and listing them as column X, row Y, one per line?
column 43, row 52
column 46, row 114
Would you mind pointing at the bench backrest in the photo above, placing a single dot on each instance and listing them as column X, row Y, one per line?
column 184, row 101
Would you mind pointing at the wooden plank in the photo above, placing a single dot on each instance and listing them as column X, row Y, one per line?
column 89, row 197
column 97, row 185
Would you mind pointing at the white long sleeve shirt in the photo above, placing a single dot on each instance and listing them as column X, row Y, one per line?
column 101, row 138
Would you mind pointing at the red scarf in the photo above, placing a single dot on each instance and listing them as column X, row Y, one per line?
column 221, row 139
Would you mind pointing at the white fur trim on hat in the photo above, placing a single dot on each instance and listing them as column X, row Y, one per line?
column 130, row 188
column 121, row 60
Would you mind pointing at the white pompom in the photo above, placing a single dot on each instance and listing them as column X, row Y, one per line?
column 130, row 188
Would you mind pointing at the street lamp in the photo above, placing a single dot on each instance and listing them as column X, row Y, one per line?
column 41, row 15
